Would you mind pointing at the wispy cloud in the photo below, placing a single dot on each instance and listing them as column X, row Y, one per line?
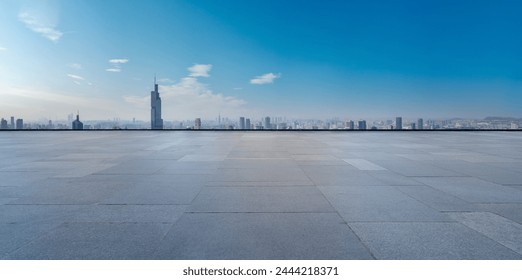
column 3, row 49
column 116, row 64
column 46, row 30
column 75, row 77
column 75, row 66
column 265, row 79
column 200, row 70
column 118, row 60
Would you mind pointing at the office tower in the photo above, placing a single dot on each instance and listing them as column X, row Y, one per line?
column 156, row 122
column 351, row 125
column 3, row 124
column 413, row 126
column 247, row 124
column 197, row 123
column 77, row 124
column 19, row 124
column 12, row 122
column 267, row 123
column 420, row 124
column 242, row 123
column 362, row 125
column 398, row 123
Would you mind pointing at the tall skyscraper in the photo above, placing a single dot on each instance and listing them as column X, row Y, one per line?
column 19, row 124
column 12, row 123
column 3, row 124
column 242, row 123
column 77, row 124
column 413, row 126
column 197, row 123
column 247, row 124
column 351, row 125
column 156, row 122
column 398, row 123
column 362, row 125
column 267, row 123
column 420, row 124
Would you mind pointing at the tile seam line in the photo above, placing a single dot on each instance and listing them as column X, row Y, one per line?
column 490, row 238
column 340, row 217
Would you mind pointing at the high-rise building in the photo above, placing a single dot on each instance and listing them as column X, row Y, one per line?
column 398, row 123
column 77, row 124
column 267, row 123
column 156, row 122
column 413, row 126
column 197, row 123
column 351, row 125
column 242, row 123
column 12, row 123
column 362, row 125
column 420, row 124
column 247, row 124
column 19, row 124
column 3, row 124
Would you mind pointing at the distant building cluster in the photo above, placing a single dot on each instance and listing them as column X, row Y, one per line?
column 264, row 123
column 19, row 124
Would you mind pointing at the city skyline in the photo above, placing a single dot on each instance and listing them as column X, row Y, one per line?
column 301, row 60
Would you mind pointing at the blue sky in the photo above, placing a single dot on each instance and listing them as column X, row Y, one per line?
column 316, row 59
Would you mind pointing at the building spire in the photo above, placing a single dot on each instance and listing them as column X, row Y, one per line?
column 155, row 78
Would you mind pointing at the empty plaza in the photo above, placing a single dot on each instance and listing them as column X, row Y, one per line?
column 260, row 195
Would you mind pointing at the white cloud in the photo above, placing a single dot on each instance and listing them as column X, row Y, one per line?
column 200, row 70
column 76, row 66
column 265, row 79
column 75, row 77
column 116, row 64
column 118, row 60
column 46, row 30
column 3, row 49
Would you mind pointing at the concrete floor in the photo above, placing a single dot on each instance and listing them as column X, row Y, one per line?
column 260, row 195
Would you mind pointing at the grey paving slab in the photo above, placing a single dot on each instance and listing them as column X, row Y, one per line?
column 132, row 167
column 483, row 171
column 72, row 192
column 416, row 168
column 202, row 157
column 258, row 163
column 261, row 174
column 15, row 235
column 345, row 175
column 474, row 189
column 390, row 178
column 261, row 236
column 378, row 204
column 259, row 184
column 363, row 164
column 95, row 241
column 127, row 213
column 67, row 195
column 437, row 199
column 512, row 211
column 500, row 229
column 321, row 162
column 429, row 241
column 260, row 199
column 31, row 213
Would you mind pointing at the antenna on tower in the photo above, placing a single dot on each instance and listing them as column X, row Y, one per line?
column 154, row 78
